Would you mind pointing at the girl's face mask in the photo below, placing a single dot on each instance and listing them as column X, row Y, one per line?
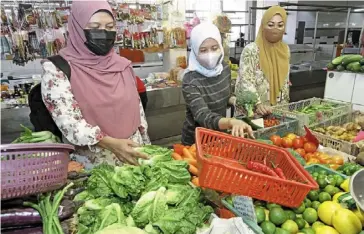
column 210, row 59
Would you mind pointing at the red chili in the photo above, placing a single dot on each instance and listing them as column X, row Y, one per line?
column 259, row 167
column 279, row 171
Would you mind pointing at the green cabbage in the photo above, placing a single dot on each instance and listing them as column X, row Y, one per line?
column 120, row 229
column 130, row 179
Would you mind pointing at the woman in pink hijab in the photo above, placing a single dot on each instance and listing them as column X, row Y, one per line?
column 97, row 108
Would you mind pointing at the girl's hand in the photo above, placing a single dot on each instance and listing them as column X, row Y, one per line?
column 263, row 110
column 238, row 128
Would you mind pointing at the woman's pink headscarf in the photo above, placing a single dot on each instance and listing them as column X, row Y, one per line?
column 103, row 86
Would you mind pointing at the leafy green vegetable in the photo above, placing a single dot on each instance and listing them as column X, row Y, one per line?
column 176, row 193
column 83, row 196
column 98, row 185
column 131, row 178
column 157, row 153
column 147, row 196
column 175, row 171
column 150, row 207
column 120, row 229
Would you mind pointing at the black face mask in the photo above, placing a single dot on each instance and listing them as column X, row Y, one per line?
column 99, row 41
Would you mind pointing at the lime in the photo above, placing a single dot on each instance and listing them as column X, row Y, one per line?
column 315, row 174
column 290, row 226
column 300, row 209
column 268, row 227
column 281, row 231
column 307, row 202
column 331, row 181
column 330, row 189
column 277, row 216
column 313, row 195
column 310, row 215
column 301, row 223
column 308, row 231
column 317, row 224
column 314, row 177
column 315, row 204
column 290, row 214
column 322, row 183
column 339, row 180
column 336, row 190
column 324, row 196
column 322, row 172
column 272, row 205
column 260, row 214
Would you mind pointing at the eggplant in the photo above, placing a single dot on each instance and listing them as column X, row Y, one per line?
column 28, row 230
column 16, row 217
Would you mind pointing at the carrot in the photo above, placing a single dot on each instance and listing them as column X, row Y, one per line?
column 191, row 161
column 195, row 181
column 193, row 148
column 176, row 156
column 187, row 153
column 193, row 170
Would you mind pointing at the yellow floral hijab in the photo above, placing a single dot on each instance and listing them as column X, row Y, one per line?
column 273, row 57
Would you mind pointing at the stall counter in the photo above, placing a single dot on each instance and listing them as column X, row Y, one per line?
column 165, row 115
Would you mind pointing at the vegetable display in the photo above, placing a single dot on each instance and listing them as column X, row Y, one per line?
column 311, row 109
column 349, row 62
column 349, row 168
column 188, row 154
column 326, row 211
column 346, row 132
column 28, row 136
column 155, row 197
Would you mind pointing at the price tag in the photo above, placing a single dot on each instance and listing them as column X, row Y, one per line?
column 245, row 207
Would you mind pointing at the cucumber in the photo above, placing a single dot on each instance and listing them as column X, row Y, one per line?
column 362, row 61
column 330, row 66
column 350, row 59
column 354, row 67
column 338, row 60
column 347, row 201
column 340, row 68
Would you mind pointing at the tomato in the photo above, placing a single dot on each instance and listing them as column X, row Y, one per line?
column 338, row 159
column 291, row 136
column 297, row 143
column 305, row 140
column 309, row 147
column 277, row 140
column 334, row 166
column 301, row 151
column 286, row 142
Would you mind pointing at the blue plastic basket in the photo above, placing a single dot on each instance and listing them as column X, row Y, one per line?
column 317, row 167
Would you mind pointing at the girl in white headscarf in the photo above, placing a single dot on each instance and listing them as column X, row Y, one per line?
column 206, row 86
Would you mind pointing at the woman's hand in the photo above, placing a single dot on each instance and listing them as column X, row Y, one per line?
column 238, row 128
column 123, row 149
column 263, row 110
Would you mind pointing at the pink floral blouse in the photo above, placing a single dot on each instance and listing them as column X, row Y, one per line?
column 58, row 97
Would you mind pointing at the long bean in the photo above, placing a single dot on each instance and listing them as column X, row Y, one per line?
column 48, row 210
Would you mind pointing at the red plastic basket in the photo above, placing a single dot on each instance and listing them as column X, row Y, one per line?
column 223, row 171
column 28, row 169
